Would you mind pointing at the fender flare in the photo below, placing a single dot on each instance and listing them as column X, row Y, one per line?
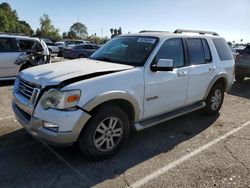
column 113, row 95
column 214, row 80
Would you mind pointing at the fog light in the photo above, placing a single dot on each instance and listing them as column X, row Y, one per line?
column 50, row 126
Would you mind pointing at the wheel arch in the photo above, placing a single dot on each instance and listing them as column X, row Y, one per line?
column 220, row 78
column 120, row 98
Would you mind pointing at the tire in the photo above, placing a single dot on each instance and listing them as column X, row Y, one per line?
column 95, row 139
column 214, row 99
column 81, row 56
column 239, row 78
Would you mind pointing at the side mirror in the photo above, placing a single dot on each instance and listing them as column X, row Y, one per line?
column 163, row 65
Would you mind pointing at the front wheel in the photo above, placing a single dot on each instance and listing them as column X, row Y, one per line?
column 105, row 133
column 214, row 100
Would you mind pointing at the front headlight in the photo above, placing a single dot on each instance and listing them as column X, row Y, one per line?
column 60, row 99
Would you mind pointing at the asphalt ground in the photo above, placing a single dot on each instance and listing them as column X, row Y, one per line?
column 190, row 151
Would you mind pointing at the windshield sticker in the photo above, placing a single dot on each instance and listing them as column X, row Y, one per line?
column 146, row 40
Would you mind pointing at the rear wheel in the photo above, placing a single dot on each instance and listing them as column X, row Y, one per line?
column 215, row 99
column 239, row 78
column 105, row 133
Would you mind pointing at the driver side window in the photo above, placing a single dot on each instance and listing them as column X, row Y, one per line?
column 172, row 49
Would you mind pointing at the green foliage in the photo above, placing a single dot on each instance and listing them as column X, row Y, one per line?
column 97, row 40
column 10, row 23
column 115, row 32
column 47, row 29
column 78, row 29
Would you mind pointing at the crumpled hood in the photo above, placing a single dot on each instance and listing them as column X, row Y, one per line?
column 55, row 73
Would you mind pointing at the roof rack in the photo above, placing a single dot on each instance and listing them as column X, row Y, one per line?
column 195, row 31
column 152, row 31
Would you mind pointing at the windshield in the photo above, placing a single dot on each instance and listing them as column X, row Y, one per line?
column 126, row 50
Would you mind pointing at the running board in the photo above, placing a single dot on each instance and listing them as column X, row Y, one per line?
column 161, row 118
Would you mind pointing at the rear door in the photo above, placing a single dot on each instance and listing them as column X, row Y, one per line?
column 8, row 55
column 202, row 68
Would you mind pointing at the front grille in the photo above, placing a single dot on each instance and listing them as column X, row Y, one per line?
column 26, row 89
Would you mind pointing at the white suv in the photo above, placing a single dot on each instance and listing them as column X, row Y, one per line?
column 136, row 80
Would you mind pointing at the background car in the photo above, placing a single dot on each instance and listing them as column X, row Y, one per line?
column 20, row 52
column 53, row 48
column 62, row 45
column 80, row 51
column 242, row 66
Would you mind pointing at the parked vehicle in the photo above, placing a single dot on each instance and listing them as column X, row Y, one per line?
column 69, row 44
column 20, row 52
column 80, row 51
column 133, row 81
column 53, row 48
column 242, row 66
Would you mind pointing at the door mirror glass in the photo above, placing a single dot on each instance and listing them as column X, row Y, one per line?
column 163, row 65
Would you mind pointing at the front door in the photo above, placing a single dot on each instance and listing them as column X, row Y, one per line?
column 166, row 91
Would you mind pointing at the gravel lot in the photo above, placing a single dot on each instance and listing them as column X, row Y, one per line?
column 191, row 151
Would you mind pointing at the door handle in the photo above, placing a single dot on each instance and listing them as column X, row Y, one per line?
column 212, row 68
column 182, row 73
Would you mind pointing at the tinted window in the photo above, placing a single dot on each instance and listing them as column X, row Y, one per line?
column 87, row 47
column 172, row 49
column 195, row 51
column 223, row 49
column 207, row 52
column 6, row 45
column 25, row 45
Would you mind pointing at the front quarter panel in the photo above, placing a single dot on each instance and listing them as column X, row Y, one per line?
column 127, row 85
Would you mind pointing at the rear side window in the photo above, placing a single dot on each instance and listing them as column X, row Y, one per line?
column 6, row 45
column 207, row 52
column 223, row 49
column 196, row 53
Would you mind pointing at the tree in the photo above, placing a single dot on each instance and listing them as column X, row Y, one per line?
column 79, row 29
column 47, row 29
column 10, row 23
column 115, row 32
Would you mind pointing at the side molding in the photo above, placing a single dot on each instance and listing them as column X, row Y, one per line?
column 215, row 79
column 112, row 95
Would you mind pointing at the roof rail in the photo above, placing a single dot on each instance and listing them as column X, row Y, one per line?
column 152, row 31
column 195, row 31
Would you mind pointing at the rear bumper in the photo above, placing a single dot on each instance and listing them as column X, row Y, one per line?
column 35, row 127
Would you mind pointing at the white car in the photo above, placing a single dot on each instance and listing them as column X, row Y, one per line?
column 133, row 81
column 20, row 52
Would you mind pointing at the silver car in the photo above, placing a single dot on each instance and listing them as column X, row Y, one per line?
column 20, row 52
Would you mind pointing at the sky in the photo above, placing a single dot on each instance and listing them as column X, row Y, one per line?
column 229, row 18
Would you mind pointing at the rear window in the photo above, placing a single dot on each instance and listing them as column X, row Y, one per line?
column 223, row 49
